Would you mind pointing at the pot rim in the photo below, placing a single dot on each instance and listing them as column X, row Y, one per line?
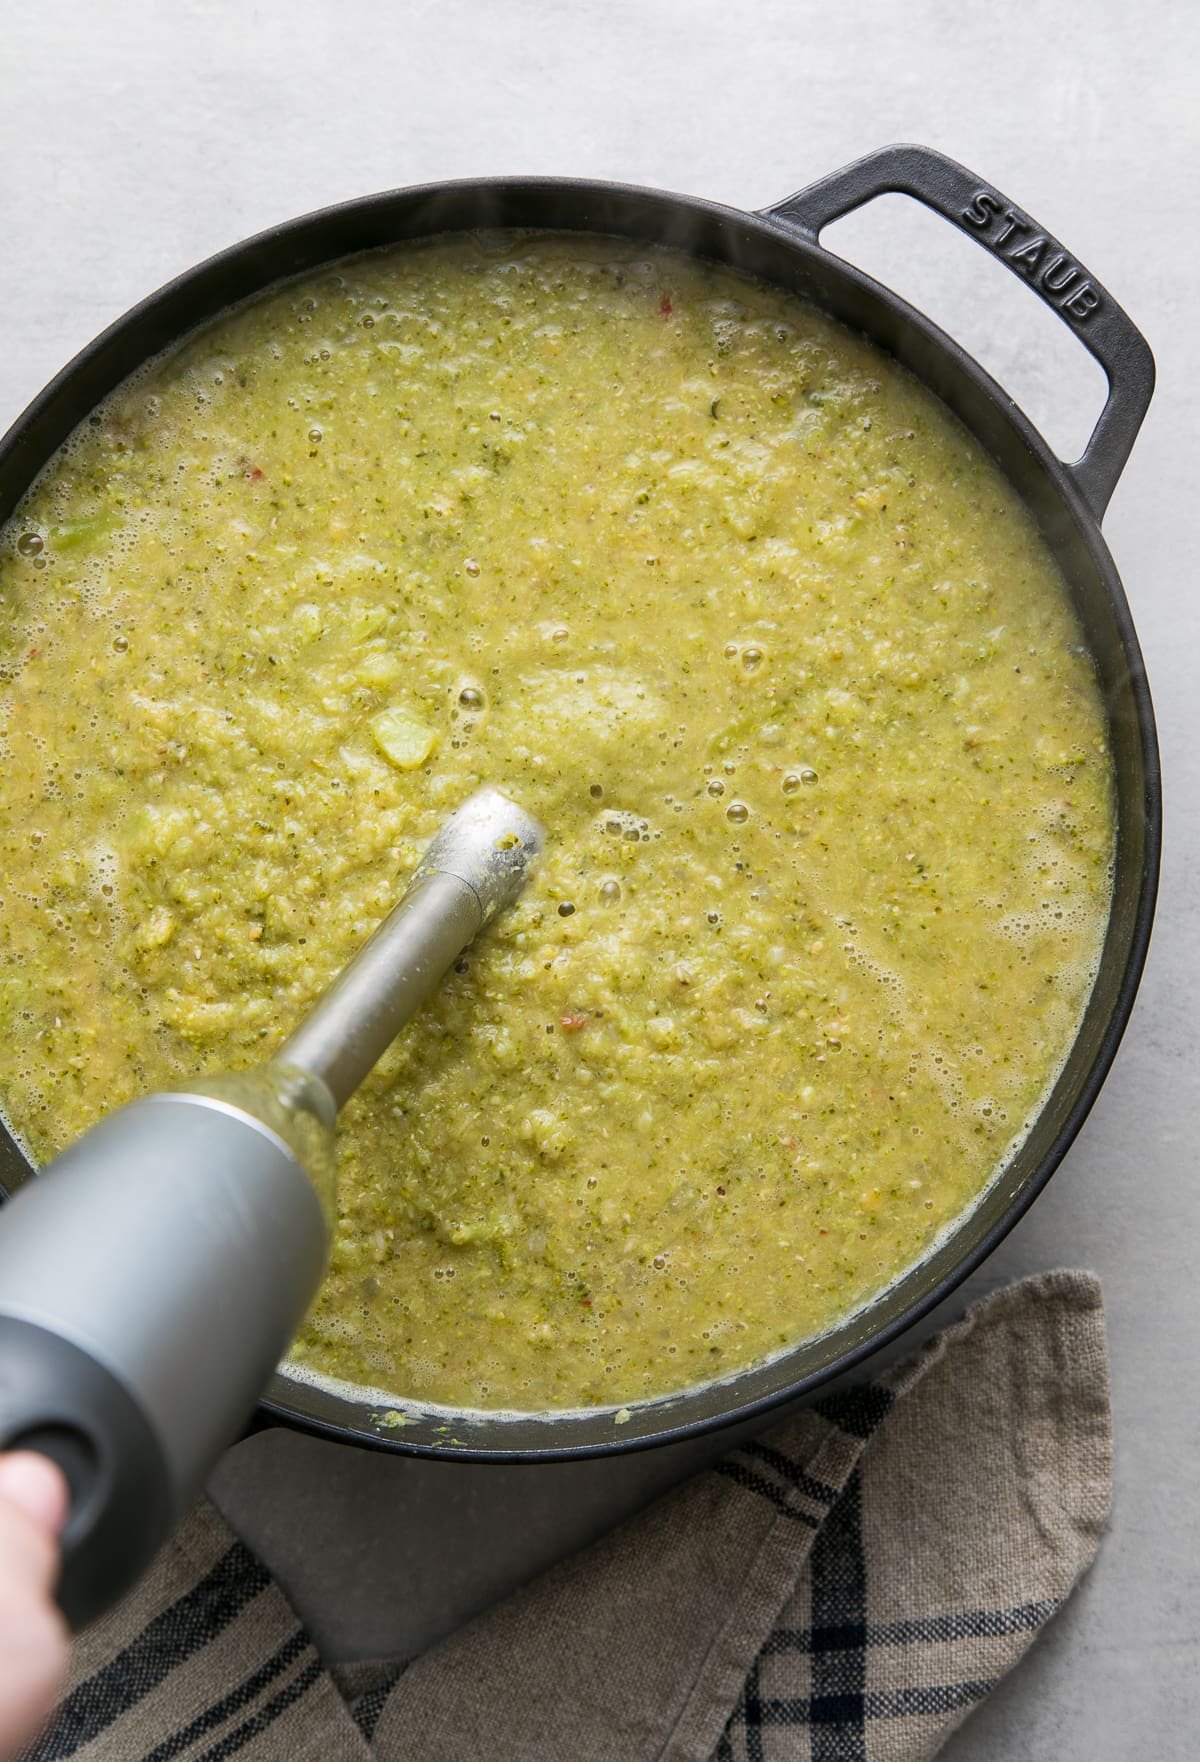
column 272, row 258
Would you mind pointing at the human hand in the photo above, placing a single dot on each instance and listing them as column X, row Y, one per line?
column 33, row 1634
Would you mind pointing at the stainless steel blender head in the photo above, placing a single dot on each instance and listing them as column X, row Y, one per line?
column 474, row 867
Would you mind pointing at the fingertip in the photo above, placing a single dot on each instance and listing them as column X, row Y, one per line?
column 36, row 1486
column 35, row 1647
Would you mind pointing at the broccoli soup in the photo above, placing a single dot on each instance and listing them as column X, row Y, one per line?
column 728, row 601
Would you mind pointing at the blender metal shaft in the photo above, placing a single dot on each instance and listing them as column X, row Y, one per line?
column 476, row 865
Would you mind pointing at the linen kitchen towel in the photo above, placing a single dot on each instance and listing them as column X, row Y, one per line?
column 846, row 1589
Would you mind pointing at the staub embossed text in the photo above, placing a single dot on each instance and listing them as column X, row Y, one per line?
column 1013, row 236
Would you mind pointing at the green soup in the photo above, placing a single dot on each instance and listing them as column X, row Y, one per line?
column 728, row 601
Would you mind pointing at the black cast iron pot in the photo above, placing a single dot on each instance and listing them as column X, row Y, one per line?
column 778, row 245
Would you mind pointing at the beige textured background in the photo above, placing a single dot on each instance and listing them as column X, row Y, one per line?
column 137, row 138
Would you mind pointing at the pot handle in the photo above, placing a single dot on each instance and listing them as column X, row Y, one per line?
column 1029, row 251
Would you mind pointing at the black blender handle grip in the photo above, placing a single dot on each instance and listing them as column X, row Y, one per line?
column 58, row 1401
column 1028, row 251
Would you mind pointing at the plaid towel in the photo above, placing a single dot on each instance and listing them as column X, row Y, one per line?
column 844, row 1590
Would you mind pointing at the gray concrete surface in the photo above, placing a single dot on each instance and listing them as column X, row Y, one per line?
column 135, row 139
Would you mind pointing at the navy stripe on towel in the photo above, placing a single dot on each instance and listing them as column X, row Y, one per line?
column 169, row 1639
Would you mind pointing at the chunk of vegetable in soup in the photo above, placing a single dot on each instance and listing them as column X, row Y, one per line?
column 727, row 600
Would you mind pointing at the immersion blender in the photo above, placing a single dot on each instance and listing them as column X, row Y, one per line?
column 154, row 1274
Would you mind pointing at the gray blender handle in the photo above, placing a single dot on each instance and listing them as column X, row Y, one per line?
column 152, row 1276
